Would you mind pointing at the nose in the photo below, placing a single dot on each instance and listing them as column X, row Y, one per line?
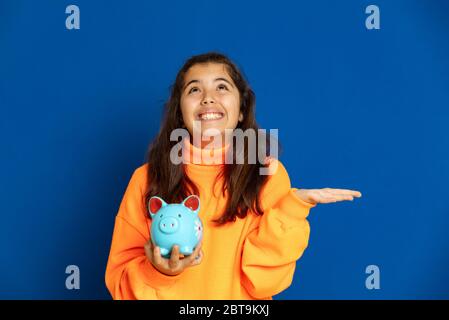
column 207, row 99
column 169, row 225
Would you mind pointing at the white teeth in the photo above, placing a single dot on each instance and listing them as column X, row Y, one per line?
column 211, row 116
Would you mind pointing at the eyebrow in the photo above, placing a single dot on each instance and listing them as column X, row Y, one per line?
column 217, row 79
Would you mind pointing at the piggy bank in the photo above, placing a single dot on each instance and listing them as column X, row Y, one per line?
column 175, row 224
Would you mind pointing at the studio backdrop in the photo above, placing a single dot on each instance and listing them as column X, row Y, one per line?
column 359, row 91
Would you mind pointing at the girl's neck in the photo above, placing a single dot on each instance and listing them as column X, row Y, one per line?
column 206, row 152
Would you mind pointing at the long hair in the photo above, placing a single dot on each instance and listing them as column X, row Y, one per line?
column 242, row 181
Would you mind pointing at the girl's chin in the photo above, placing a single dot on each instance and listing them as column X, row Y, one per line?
column 212, row 135
column 209, row 141
column 210, row 131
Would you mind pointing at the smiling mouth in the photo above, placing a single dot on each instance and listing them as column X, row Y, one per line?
column 207, row 116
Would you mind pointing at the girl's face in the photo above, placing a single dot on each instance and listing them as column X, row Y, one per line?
column 210, row 98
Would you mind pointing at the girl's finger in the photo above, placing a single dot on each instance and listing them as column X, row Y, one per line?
column 151, row 245
column 354, row 193
column 357, row 194
column 197, row 260
column 323, row 197
column 194, row 255
column 342, row 195
column 157, row 259
column 174, row 257
column 148, row 251
column 340, row 198
column 147, row 246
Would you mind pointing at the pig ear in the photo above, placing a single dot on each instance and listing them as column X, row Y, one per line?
column 193, row 203
column 154, row 205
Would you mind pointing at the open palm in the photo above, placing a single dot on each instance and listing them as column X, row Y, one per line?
column 327, row 195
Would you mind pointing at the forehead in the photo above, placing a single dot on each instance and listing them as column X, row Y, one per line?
column 206, row 71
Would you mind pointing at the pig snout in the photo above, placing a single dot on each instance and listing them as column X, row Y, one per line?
column 169, row 225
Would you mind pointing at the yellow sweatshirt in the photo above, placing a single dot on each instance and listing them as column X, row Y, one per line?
column 251, row 258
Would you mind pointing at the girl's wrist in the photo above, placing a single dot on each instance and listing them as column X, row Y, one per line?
column 303, row 195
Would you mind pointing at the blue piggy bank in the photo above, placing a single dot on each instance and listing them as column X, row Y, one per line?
column 175, row 224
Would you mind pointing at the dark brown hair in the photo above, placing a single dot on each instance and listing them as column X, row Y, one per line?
column 242, row 181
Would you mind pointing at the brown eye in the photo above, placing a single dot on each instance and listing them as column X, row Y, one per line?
column 193, row 89
column 222, row 86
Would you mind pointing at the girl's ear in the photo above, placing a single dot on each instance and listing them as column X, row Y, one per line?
column 241, row 117
column 154, row 205
column 193, row 203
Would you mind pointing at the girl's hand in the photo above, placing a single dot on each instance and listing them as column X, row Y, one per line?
column 177, row 262
column 326, row 195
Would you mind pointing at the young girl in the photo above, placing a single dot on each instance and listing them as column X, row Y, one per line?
column 255, row 226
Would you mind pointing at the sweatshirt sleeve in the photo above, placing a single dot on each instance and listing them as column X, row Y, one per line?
column 278, row 240
column 129, row 274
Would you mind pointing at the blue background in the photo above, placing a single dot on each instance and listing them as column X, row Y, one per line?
column 356, row 108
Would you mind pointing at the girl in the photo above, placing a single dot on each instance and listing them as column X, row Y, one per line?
column 255, row 226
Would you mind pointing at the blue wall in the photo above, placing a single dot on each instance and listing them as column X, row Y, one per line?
column 356, row 108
